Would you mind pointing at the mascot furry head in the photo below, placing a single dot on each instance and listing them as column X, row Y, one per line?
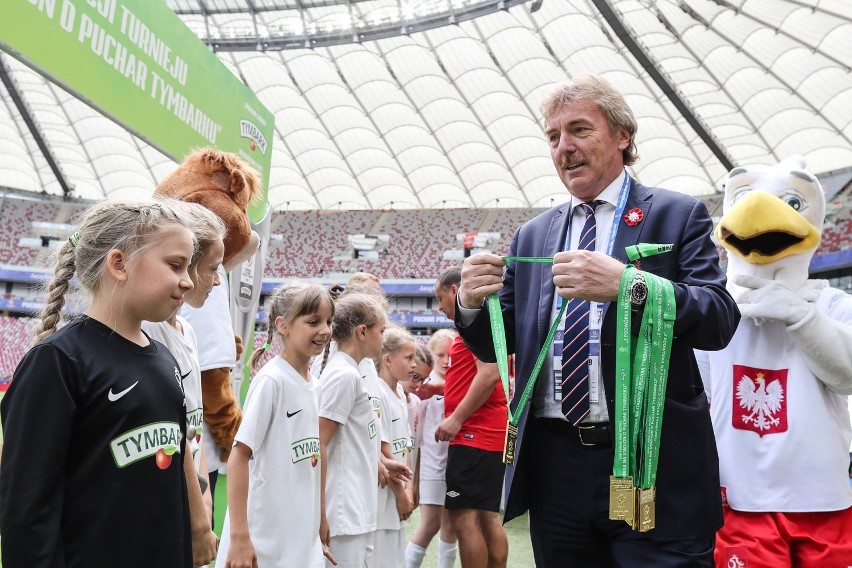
column 224, row 184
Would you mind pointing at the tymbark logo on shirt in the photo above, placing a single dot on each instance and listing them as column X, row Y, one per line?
column 400, row 446
column 144, row 441
column 304, row 449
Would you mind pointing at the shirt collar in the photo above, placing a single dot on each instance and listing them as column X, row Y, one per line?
column 609, row 195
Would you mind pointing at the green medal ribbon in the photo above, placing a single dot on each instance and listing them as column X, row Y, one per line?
column 530, row 259
column 623, row 466
column 498, row 335
column 635, row 252
column 641, row 382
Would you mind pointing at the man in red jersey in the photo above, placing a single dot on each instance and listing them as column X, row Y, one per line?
column 475, row 425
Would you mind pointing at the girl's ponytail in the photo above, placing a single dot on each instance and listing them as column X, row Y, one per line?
column 255, row 357
column 335, row 292
column 58, row 287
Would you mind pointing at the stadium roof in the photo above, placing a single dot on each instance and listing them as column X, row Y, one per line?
column 442, row 109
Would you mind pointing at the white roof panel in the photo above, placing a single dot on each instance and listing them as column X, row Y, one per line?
column 449, row 117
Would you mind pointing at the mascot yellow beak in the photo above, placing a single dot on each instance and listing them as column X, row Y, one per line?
column 761, row 228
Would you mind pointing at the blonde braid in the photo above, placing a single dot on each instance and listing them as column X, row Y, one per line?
column 51, row 313
column 335, row 292
column 255, row 357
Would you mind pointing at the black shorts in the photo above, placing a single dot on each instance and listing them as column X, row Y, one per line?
column 474, row 479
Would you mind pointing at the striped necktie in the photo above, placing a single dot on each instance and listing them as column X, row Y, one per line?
column 575, row 338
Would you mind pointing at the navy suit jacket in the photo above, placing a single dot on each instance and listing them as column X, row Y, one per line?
column 688, row 494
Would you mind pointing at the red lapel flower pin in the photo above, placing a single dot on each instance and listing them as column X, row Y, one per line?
column 634, row 217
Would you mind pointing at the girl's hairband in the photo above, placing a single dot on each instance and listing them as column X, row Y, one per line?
column 74, row 239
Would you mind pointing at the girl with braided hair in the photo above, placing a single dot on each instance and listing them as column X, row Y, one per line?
column 95, row 418
column 274, row 478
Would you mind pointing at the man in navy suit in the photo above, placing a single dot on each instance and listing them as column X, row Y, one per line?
column 562, row 470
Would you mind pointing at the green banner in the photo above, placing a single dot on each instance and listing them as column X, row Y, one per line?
column 138, row 63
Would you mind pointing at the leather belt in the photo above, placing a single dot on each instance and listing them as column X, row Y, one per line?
column 587, row 434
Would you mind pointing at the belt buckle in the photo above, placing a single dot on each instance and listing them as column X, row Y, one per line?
column 580, row 434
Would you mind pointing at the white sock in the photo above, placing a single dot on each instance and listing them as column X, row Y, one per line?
column 414, row 555
column 447, row 554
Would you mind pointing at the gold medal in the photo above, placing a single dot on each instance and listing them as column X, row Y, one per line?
column 647, row 509
column 511, row 440
column 622, row 500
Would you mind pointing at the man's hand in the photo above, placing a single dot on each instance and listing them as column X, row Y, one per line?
column 481, row 276
column 770, row 300
column 585, row 274
column 447, row 429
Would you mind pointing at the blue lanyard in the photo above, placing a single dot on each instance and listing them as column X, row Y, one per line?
column 619, row 211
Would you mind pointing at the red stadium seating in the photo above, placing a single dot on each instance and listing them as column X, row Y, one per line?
column 18, row 336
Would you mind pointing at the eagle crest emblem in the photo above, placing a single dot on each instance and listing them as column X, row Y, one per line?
column 760, row 400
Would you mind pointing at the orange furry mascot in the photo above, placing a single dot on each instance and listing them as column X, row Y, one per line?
column 225, row 184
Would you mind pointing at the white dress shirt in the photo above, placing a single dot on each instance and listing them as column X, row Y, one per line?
column 543, row 403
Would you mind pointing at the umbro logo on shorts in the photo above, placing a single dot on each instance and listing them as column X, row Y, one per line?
column 453, row 494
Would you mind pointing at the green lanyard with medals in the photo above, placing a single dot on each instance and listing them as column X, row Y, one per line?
column 641, row 372
column 640, row 384
column 498, row 335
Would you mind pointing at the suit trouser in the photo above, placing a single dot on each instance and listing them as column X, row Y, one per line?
column 568, row 490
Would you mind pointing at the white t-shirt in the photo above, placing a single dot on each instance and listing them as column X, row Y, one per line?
column 395, row 425
column 281, row 427
column 783, row 437
column 185, row 350
column 351, row 487
column 214, row 327
column 214, row 331
column 415, row 426
column 373, row 383
column 433, row 455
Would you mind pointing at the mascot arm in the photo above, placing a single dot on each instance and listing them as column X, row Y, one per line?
column 826, row 342
column 220, row 408
column 771, row 300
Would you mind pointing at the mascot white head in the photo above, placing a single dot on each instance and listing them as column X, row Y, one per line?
column 772, row 223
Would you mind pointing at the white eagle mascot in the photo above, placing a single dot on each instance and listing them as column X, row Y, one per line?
column 778, row 392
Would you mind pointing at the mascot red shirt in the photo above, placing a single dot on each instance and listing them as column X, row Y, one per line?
column 778, row 392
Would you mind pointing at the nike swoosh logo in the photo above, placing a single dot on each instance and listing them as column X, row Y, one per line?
column 182, row 377
column 439, row 398
column 395, row 419
column 115, row 396
column 292, row 414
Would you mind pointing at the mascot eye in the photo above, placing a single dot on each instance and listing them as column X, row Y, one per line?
column 741, row 192
column 793, row 201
